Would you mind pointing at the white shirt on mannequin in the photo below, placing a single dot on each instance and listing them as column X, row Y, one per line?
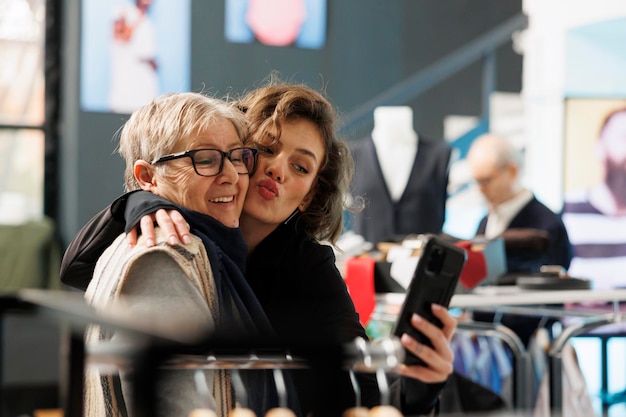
column 396, row 146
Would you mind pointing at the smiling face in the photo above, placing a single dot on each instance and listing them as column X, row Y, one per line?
column 221, row 196
column 285, row 175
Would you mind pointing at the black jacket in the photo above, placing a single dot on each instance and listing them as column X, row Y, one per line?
column 536, row 215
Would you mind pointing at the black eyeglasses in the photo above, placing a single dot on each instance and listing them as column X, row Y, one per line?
column 210, row 162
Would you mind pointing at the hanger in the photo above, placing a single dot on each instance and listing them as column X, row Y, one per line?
column 202, row 412
column 358, row 410
column 241, row 407
column 385, row 409
column 202, row 387
column 282, row 410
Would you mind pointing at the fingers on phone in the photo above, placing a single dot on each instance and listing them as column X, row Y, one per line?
column 412, row 345
column 449, row 322
column 438, row 359
column 437, row 336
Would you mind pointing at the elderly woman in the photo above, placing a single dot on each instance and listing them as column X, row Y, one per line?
column 189, row 149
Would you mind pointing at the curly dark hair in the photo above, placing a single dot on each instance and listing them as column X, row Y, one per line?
column 268, row 107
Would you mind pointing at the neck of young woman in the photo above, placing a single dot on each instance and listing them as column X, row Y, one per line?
column 254, row 231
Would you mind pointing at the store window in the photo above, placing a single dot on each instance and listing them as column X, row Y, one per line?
column 22, row 40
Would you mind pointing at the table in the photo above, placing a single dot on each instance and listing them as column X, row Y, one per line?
column 496, row 296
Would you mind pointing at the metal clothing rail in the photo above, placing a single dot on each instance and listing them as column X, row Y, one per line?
column 556, row 350
column 379, row 357
column 150, row 352
column 522, row 361
column 363, row 356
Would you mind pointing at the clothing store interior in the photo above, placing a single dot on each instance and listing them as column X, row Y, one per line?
column 392, row 156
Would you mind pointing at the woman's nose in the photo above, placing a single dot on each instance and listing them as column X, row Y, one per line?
column 275, row 171
column 229, row 172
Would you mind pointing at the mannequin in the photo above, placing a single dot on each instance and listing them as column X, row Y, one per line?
column 402, row 178
column 396, row 146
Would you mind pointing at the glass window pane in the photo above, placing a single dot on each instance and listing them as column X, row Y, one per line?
column 22, row 35
column 21, row 175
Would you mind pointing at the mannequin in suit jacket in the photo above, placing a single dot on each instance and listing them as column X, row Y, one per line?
column 402, row 176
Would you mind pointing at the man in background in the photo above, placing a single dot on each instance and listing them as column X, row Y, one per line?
column 596, row 218
column 533, row 234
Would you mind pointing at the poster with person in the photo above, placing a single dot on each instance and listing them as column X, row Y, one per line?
column 132, row 51
column 299, row 23
column 594, row 208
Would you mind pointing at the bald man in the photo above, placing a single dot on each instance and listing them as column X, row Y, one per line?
column 533, row 234
column 513, row 211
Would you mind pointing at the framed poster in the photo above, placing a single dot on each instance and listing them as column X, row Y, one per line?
column 133, row 51
column 300, row 23
column 594, row 210
column 583, row 120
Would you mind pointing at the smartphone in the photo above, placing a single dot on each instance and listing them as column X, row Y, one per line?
column 434, row 281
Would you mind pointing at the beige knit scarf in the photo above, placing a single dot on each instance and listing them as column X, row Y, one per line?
column 102, row 399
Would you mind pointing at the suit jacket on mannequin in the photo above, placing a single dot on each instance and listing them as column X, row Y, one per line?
column 420, row 209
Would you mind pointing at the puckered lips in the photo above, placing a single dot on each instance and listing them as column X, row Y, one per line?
column 268, row 189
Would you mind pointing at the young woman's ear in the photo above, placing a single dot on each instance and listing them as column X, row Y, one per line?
column 306, row 202
column 144, row 174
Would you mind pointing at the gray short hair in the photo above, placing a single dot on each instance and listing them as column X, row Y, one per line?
column 154, row 129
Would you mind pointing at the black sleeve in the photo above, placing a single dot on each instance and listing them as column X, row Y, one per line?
column 142, row 203
column 79, row 260
column 419, row 397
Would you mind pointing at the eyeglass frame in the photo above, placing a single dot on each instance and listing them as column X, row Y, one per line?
column 485, row 182
column 191, row 152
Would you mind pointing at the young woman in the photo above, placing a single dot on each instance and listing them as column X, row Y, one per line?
column 295, row 200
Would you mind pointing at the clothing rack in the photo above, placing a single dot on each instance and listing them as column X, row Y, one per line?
column 150, row 352
column 580, row 321
column 538, row 303
column 522, row 360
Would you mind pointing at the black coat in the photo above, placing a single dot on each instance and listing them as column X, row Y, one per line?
column 536, row 215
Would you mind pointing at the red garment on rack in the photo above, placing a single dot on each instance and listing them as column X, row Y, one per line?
column 360, row 282
column 475, row 269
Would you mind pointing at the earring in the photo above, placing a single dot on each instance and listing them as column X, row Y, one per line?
column 291, row 216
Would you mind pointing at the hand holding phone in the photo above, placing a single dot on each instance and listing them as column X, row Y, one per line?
column 434, row 282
